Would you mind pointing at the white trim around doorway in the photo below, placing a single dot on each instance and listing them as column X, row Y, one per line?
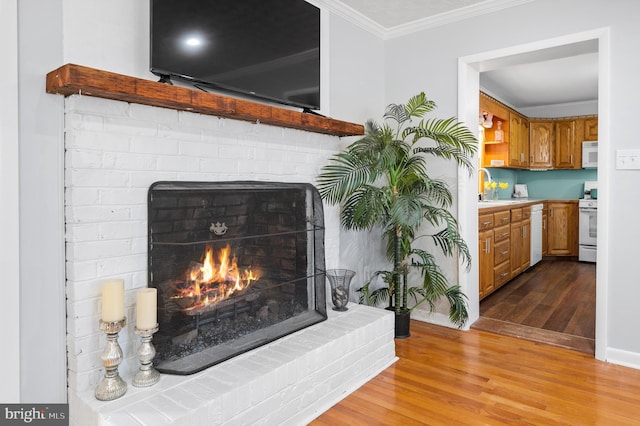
column 468, row 104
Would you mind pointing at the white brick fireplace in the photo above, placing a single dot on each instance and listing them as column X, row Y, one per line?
column 114, row 152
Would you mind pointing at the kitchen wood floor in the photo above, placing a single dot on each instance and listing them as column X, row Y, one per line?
column 450, row 377
column 553, row 302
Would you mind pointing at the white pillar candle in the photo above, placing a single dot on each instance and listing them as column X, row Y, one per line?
column 113, row 300
column 147, row 309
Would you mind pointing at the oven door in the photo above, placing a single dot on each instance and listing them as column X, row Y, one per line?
column 588, row 230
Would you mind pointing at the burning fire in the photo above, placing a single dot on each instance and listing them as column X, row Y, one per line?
column 210, row 282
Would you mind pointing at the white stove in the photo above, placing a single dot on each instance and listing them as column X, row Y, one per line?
column 587, row 227
column 587, row 203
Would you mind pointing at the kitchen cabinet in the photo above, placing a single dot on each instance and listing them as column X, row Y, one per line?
column 501, row 255
column 568, row 152
column 541, row 136
column 520, row 240
column 544, row 229
column 504, row 239
column 562, row 229
column 494, row 153
column 494, row 251
column 518, row 140
column 541, row 143
column 485, row 253
column 486, row 273
column 590, row 129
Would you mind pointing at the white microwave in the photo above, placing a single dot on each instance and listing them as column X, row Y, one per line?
column 589, row 155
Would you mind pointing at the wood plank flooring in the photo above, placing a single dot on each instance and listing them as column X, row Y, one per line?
column 553, row 302
column 451, row 377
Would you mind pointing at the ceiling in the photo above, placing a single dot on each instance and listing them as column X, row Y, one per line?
column 555, row 76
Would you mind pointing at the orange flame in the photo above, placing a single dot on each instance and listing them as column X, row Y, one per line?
column 210, row 282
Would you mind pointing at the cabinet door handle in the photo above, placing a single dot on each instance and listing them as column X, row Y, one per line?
column 571, row 159
column 544, row 224
column 487, row 244
column 524, row 231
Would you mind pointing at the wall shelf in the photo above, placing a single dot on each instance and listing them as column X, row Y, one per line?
column 73, row 79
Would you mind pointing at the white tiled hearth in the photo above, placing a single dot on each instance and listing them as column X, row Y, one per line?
column 114, row 152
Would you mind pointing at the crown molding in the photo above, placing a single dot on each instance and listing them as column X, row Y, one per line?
column 385, row 33
column 351, row 15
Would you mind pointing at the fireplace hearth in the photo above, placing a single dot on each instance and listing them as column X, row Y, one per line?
column 236, row 264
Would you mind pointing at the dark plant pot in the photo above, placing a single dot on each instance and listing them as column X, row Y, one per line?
column 402, row 324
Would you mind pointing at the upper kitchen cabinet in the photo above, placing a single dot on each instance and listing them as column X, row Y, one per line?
column 494, row 121
column 568, row 150
column 541, row 144
column 590, row 129
column 518, row 140
column 510, row 139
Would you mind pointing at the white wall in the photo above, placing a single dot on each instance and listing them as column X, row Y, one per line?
column 42, row 309
column 435, row 54
column 10, row 282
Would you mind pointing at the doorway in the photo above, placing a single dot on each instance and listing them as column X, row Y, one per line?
column 469, row 86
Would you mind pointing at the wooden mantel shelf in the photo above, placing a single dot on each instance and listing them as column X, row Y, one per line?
column 73, row 79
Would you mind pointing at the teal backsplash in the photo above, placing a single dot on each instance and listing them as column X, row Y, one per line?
column 551, row 184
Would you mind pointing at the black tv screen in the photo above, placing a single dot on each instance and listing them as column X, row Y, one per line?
column 265, row 49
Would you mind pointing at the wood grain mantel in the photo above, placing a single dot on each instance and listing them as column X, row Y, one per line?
column 73, row 79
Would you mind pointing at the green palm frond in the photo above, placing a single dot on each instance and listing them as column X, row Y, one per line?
column 449, row 153
column 365, row 208
column 454, row 141
column 345, row 174
column 416, row 107
column 379, row 295
column 406, row 211
column 438, row 194
column 458, row 313
column 451, row 243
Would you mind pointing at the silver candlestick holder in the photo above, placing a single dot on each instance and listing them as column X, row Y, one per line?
column 147, row 375
column 112, row 386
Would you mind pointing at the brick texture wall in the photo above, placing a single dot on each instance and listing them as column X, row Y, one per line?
column 114, row 152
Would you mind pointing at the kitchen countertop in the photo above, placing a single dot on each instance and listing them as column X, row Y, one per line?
column 513, row 202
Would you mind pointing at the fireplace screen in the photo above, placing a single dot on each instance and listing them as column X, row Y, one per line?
column 236, row 264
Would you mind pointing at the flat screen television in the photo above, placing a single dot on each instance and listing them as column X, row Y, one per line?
column 264, row 49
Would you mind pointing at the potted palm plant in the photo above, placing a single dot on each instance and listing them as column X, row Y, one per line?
column 381, row 181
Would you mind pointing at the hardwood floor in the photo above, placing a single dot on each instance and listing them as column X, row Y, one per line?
column 554, row 302
column 451, row 377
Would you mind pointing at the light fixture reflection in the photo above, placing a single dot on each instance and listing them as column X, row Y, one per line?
column 193, row 43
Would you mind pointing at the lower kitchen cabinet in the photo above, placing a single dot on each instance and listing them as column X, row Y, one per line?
column 501, row 262
column 562, row 229
column 486, row 273
column 544, row 229
column 520, row 240
column 504, row 240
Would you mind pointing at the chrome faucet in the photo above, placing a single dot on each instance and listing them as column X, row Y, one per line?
column 483, row 194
